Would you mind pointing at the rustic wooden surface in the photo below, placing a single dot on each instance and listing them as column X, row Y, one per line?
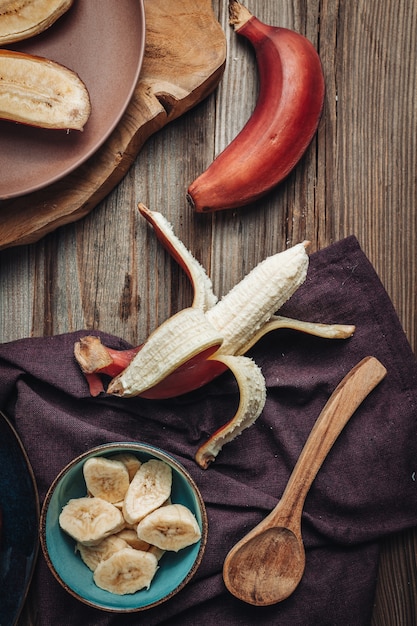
column 177, row 73
column 359, row 177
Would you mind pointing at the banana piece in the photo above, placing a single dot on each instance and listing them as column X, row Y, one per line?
column 126, row 571
column 130, row 536
column 20, row 19
column 157, row 552
column 130, row 461
column 90, row 520
column 93, row 555
column 40, row 92
column 149, row 489
column 172, row 527
column 106, row 478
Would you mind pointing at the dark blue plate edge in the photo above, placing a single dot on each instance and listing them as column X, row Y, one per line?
column 36, row 504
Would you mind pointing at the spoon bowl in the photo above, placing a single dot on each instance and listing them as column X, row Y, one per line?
column 266, row 566
column 276, row 549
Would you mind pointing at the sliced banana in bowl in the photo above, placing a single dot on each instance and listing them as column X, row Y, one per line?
column 89, row 527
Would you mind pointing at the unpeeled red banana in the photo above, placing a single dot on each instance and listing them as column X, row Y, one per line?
column 282, row 125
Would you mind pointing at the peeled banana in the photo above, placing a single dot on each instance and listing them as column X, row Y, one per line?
column 201, row 342
column 39, row 92
column 171, row 527
column 20, row 19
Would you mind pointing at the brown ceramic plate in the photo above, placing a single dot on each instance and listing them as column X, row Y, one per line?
column 103, row 41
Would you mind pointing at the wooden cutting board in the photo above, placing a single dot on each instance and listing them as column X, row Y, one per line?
column 184, row 60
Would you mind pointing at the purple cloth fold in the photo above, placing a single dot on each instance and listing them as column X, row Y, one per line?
column 365, row 490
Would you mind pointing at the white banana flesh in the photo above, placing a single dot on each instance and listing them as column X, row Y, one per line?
column 130, row 537
column 90, row 520
column 109, row 544
column 21, row 19
column 93, row 555
column 42, row 93
column 149, row 489
column 130, row 461
column 250, row 304
column 126, row 571
column 166, row 349
column 106, row 478
column 171, row 527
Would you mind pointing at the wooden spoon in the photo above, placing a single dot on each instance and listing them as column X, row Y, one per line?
column 268, row 563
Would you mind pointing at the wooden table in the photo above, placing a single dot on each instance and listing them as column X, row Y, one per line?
column 358, row 177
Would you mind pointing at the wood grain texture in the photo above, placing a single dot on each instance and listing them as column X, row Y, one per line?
column 177, row 73
column 358, row 177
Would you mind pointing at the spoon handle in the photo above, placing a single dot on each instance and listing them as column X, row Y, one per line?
column 340, row 407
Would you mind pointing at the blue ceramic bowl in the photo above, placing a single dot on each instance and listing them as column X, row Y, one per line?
column 175, row 568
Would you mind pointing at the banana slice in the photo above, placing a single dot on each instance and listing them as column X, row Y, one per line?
column 126, row 571
column 130, row 536
column 93, row 555
column 39, row 92
column 20, row 19
column 106, row 478
column 90, row 520
column 149, row 489
column 158, row 552
column 172, row 527
column 131, row 462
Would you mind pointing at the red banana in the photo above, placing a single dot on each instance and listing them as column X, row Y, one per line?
column 282, row 125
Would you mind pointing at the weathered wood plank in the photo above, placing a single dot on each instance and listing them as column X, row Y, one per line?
column 358, row 177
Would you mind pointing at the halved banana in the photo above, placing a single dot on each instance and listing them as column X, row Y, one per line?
column 149, row 489
column 90, row 520
column 40, row 92
column 93, row 555
column 20, row 19
column 106, row 478
column 172, row 527
column 126, row 571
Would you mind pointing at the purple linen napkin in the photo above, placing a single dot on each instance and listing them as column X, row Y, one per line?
column 365, row 490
